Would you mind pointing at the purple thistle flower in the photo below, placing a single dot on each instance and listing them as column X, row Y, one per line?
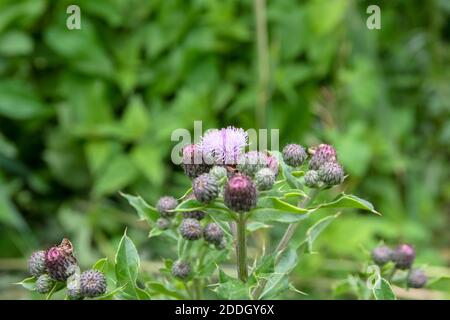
column 223, row 146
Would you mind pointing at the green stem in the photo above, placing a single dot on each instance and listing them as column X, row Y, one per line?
column 241, row 248
column 391, row 275
column 290, row 231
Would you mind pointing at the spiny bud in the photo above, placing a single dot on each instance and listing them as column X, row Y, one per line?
column 264, row 179
column 190, row 229
column 92, row 283
column 222, row 244
column 311, row 179
column 197, row 215
column 331, row 173
column 213, row 233
column 74, row 287
column 193, row 162
column 60, row 262
column 36, row 263
column 417, row 279
column 44, row 283
column 181, row 269
column 272, row 164
column 251, row 162
column 240, row 193
column 165, row 204
column 404, row 256
column 382, row 255
column 163, row 223
column 218, row 172
column 294, row 155
column 322, row 154
column 205, row 188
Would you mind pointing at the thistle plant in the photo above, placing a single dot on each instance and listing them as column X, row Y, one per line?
column 386, row 268
column 233, row 194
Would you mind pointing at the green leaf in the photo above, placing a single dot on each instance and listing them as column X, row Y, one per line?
column 143, row 209
column 349, row 201
column 28, row 283
column 110, row 295
column 230, row 288
column 269, row 214
column 127, row 266
column 383, row 291
column 256, row 225
column 316, row 229
column 277, row 203
column 101, row 265
column 190, row 205
column 160, row 289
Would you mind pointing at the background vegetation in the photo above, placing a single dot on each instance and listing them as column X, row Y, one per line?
column 87, row 113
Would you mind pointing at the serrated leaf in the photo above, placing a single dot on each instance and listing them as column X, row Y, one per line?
column 28, row 283
column 270, row 214
column 383, row 291
column 349, row 201
column 143, row 209
column 127, row 266
column 101, row 265
column 230, row 288
column 159, row 288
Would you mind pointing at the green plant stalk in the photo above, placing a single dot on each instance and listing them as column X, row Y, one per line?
column 241, row 248
column 282, row 245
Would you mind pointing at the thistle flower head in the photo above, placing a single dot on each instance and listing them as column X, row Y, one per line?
column 331, row 173
column 417, row 278
column 181, row 269
column 92, row 283
column 205, row 188
column 404, row 256
column 322, row 154
column 193, row 162
column 213, row 233
column 60, row 262
column 44, row 283
column 163, row 223
column 272, row 164
column 36, row 263
column 165, row 204
column 264, row 179
column 294, row 155
column 249, row 163
column 223, row 146
column 190, row 229
column 311, row 179
column 382, row 255
column 240, row 193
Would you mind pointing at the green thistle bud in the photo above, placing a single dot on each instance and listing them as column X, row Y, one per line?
column 382, row 255
column 213, row 233
column 251, row 162
column 218, row 172
column 181, row 269
column 190, row 229
column 264, row 179
column 311, row 179
column 417, row 279
column 165, row 204
column 205, row 188
column 92, row 283
column 36, row 263
column 163, row 223
column 240, row 193
column 222, row 245
column 294, row 155
column 331, row 173
column 74, row 287
column 44, row 283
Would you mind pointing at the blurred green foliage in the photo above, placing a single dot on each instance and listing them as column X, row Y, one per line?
column 87, row 113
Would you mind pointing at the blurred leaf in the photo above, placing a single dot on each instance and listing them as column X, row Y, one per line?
column 143, row 209
column 384, row 292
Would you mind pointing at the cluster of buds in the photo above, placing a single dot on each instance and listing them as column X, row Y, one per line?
column 324, row 169
column 403, row 258
column 58, row 264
